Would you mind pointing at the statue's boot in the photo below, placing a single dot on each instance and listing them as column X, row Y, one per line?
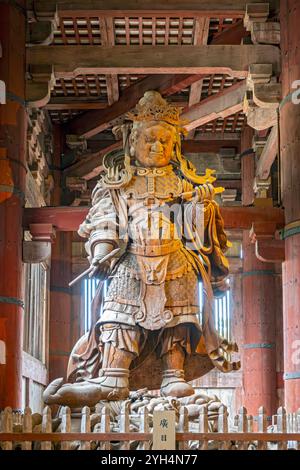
column 173, row 383
column 112, row 383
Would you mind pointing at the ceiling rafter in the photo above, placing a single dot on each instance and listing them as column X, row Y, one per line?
column 108, row 39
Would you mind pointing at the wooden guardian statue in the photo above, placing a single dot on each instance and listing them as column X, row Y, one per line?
column 153, row 233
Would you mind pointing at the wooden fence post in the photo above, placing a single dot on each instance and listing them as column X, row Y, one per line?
column 65, row 426
column 250, row 423
column 183, row 426
column 144, row 427
column 105, row 427
column 124, row 423
column 297, row 426
column 281, row 426
column 7, row 426
column 27, row 427
column 203, row 425
column 46, row 427
column 242, row 426
column 85, row 427
column 223, row 425
column 262, row 427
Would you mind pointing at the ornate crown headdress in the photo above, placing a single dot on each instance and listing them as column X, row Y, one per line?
column 152, row 107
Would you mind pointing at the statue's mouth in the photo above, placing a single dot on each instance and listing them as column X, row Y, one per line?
column 156, row 154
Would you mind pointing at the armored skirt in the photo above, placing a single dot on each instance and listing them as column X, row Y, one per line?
column 152, row 294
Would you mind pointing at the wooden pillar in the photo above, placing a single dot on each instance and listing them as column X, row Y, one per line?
column 290, row 167
column 60, row 337
column 237, row 325
column 60, row 305
column 247, row 166
column 12, row 184
column 279, row 336
column 259, row 347
column 258, row 284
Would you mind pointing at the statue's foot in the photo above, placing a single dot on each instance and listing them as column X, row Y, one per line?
column 174, row 385
column 51, row 391
column 88, row 393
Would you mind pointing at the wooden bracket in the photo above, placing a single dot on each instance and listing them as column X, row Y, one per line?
column 262, row 97
column 40, row 29
column 40, row 81
column 265, row 33
column 256, row 12
column 36, row 251
column 42, row 232
column 268, row 247
column 255, row 21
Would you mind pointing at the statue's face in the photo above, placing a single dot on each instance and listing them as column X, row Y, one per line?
column 154, row 144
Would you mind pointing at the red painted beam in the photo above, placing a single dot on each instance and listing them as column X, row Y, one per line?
column 69, row 218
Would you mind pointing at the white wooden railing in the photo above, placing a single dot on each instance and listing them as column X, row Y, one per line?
column 94, row 429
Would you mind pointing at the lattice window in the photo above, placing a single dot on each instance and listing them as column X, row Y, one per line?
column 36, row 309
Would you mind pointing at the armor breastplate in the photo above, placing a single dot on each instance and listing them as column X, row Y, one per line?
column 159, row 183
column 152, row 198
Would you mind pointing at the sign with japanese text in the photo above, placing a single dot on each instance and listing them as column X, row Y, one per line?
column 164, row 432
